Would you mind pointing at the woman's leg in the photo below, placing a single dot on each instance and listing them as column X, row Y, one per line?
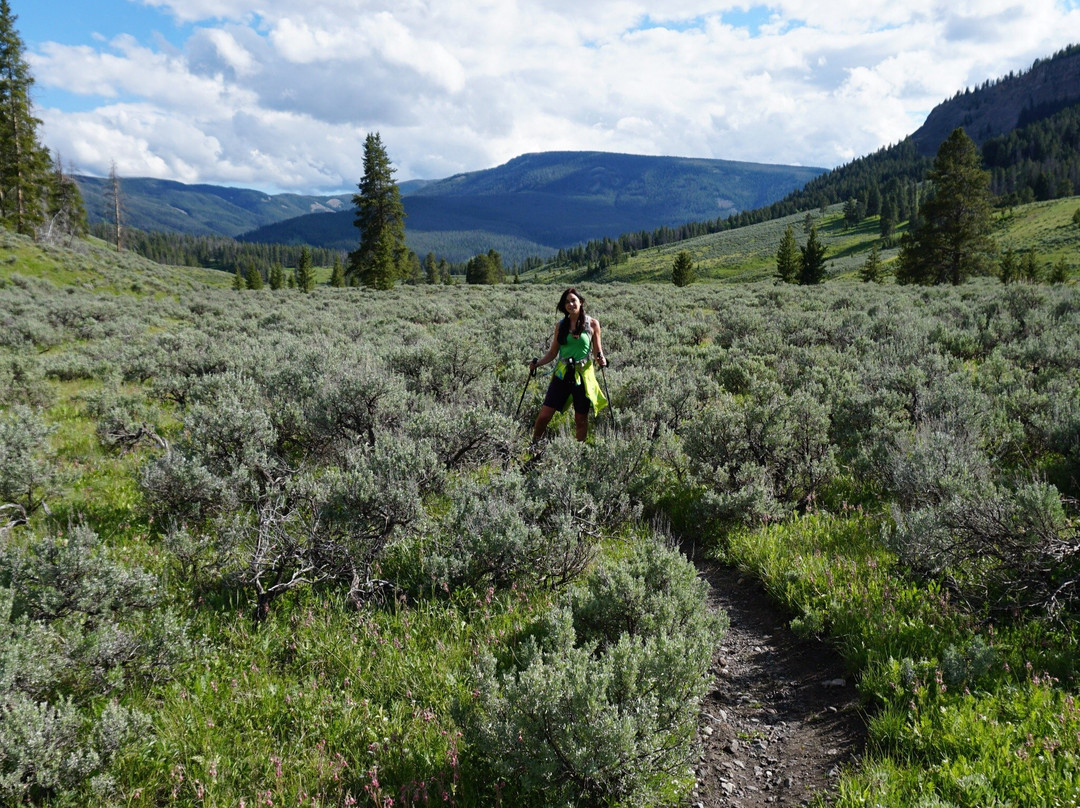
column 542, row 421
column 581, row 421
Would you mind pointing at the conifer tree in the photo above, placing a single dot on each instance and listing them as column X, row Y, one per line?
column 887, row 222
column 305, row 272
column 25, row 165
column 238, row 282
column 1059, row 273
column 682, row 269
column 873, row 200
column 381, row 258
column 1029, row 267
column 431, row 270
column 812, row 260
column 277, row 276
column 253, row 276
column 851, row 212
column 787, row 257
column 1008, row 266
column 951, row 241
column 414, row 273
column 871, row 271
column 337, row 274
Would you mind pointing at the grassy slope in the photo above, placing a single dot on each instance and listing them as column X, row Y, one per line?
column 749, row 253
column 93, row 266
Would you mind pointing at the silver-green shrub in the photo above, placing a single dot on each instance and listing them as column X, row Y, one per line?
column 592, row 712
column 50, row 751
column 1001, row 546
column 489, row 536
column 75, row 625
column 27, row 470
column 763, row 455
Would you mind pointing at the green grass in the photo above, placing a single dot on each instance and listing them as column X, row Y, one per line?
column 1046, row 227
column 92, row 265
column 322, row 703
column 961, row 713
column 748, row 253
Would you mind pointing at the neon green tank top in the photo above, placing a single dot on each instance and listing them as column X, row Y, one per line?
column 577, row 348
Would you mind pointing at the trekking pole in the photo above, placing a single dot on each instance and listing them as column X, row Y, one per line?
column 532, row 372
column 607, row 395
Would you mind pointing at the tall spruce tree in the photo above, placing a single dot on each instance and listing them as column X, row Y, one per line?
column 337, row 274
column 812, row 260
column 682, row 269
column 871, row 270
column 305, row 272
column 276, row 279
column 381, row 258
column 951, row 241
column 787, row 256
column 25, row 165
column 253, row 276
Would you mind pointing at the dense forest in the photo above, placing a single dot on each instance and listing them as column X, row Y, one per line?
column 214, row 252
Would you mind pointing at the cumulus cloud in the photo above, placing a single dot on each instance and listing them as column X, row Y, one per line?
column 279, row 95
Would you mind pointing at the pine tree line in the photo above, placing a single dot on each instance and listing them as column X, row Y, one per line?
column 36, row 197
column 215, row 252
column 1038, row 162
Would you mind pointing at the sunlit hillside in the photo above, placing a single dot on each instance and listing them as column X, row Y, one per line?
column 749, row 253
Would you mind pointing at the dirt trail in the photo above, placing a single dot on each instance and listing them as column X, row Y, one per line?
column 781, row 718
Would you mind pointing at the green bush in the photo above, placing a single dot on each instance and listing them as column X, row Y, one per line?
column 27, row 469
column 594, row 712
column 763, row 455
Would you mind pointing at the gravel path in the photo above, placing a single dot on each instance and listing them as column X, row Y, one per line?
column 781, row 719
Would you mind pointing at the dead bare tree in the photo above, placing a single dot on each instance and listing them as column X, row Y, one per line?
column 116, row 203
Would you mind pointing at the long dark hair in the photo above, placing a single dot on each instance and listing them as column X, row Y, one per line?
column 564, row 326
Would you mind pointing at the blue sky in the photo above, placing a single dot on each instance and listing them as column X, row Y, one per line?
column 280, row 94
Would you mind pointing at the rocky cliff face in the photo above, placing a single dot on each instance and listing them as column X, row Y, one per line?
column 997, row 109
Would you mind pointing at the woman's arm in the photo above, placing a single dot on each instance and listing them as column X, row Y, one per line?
column 598, row 348
column 553, row 351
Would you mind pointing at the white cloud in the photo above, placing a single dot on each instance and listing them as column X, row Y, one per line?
column 280, row 95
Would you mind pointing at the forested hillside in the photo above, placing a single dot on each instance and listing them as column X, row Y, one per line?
column 154, row 205
column 1010, row 102
column 1027, row 124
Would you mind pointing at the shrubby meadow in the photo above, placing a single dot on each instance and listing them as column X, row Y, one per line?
column 275, row 548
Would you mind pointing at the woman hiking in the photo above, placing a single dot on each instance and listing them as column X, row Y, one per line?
column 576, row 346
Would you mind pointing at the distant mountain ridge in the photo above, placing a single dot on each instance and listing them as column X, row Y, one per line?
column 532, row 205
column 199, row 210
column 538, row 203
column 997, row 108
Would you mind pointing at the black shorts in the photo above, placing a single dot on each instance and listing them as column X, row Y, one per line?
column 561, row 389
